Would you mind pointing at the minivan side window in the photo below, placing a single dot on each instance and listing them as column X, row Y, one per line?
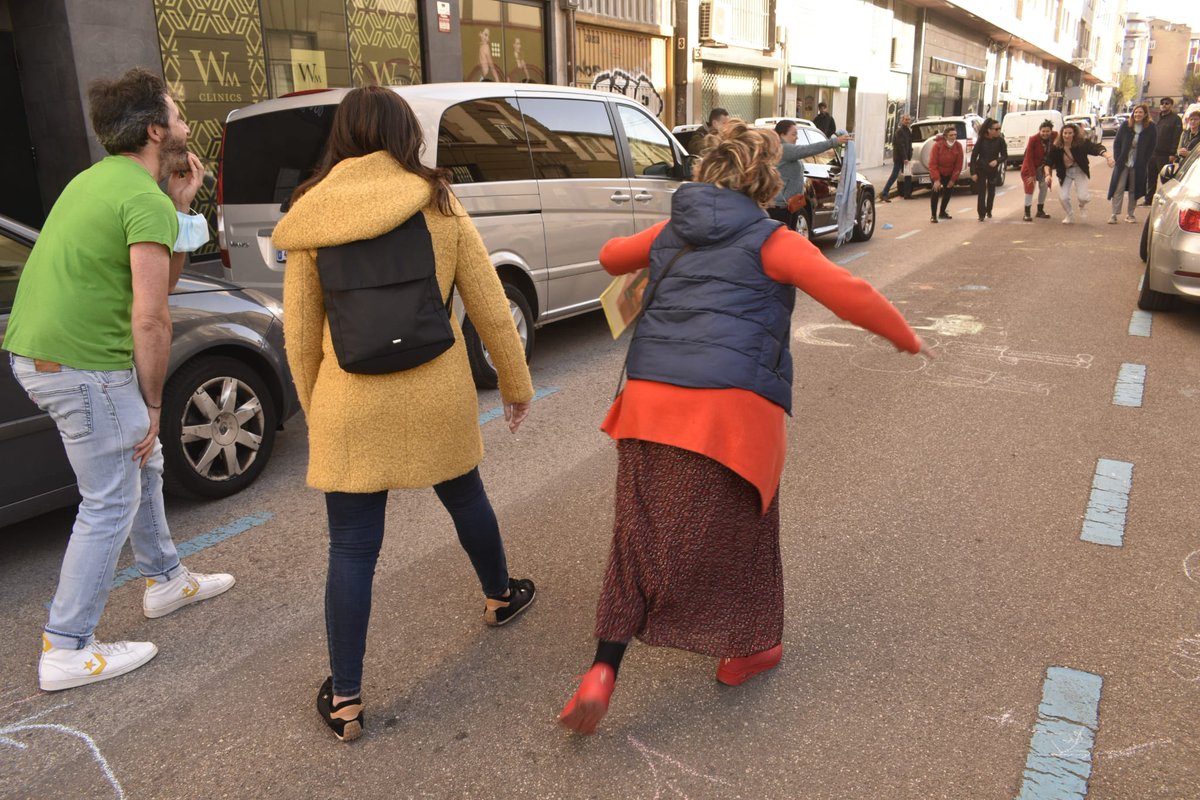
column 482, row 141
column 650, row 147
column 266, row 156
column 13, row 255
column 571, row 138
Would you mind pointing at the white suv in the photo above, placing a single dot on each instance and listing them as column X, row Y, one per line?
column 924, row 131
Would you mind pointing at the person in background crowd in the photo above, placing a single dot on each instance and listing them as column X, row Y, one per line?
column 1132, row 151
column 695, row 560
column 1166, row 142
column 1031, row 169
column 1190, row 138
column 1068, row 157
column 791, row 168
column 987, row 159
column 945, row 165
column 824, row 120
column 718, row 118
column 902, row 152
column 89, row 337
column 410, row 429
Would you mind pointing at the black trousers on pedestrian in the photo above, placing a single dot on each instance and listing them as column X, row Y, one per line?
column 1157, row 162
column 943, row 195
column 783, row 215
column 985, row 187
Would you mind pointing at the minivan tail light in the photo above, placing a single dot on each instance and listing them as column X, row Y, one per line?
column 1189, row 220
column 221, row 241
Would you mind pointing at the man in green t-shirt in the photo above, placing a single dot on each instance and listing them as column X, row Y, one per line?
column 90, row 334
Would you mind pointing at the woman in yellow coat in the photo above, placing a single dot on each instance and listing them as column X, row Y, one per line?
column 416, row 428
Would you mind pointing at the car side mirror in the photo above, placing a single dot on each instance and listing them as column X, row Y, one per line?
column 685, row 170
column 1168, row 173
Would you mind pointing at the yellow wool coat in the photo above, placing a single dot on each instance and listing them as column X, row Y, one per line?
column 367, row 433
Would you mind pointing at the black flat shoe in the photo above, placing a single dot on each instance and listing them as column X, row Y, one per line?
column 933, row 220
column 345, row 719
column 944, row 215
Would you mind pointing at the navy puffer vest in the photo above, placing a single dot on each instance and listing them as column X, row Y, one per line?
column 717, row 321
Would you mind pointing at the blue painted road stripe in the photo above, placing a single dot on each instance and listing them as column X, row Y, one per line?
column 1060, row 750
column 200, row 542
column 853, row 257
column 498, row 411
column 906, row 235
column 1139, row 323
column 1131, row 383
column 1104, row 522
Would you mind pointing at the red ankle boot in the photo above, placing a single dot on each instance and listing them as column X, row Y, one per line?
column 736, row 671
column 589, row 704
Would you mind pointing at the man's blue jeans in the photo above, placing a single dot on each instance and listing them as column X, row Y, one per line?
column 897, row 168
column 355, row 536
column 100, row 417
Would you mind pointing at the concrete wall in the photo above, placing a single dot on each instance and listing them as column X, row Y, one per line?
column 64, row 45
column 1164, row 75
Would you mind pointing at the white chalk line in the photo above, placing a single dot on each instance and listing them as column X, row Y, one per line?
column 26, row 725
column 649, row 755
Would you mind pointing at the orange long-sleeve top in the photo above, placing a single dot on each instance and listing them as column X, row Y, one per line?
column 736, row 427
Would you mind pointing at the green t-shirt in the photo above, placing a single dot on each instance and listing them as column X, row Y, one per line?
column 74, row 301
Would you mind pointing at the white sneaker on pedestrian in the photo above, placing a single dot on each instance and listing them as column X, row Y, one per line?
column 1112, row 220
column 64, row 668
column 185, row 588
column 1068, row 219
column 1130, row 218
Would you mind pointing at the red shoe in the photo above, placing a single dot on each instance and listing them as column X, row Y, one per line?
column 736, row 671
column 589, row 704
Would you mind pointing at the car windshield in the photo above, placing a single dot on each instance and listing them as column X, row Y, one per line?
column 927, row 130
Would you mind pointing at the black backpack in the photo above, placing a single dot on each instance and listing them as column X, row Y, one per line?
column 383, row 302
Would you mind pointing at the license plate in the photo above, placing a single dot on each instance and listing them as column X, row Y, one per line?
column 923, row 181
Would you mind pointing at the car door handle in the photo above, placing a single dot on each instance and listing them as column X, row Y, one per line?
column 643, row 197
column 619, row 197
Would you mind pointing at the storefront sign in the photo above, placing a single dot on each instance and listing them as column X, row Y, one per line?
column 942, row 66
column 308, row 70
column 806, row 76
column 443, row 15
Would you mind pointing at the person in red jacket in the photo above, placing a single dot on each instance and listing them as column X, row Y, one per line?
column 1031, row 169
column 945, row 165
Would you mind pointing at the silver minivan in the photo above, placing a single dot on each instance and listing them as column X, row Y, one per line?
column 547, row 173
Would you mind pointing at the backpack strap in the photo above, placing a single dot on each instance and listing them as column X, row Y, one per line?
column 648, row 296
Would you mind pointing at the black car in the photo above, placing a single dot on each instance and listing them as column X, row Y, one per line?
column 822, row 174
column 228, row 390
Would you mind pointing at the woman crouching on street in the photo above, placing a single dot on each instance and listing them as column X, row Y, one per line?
column 368, row 433
column 945, row 165
column 1068, row 158
column 695, row 560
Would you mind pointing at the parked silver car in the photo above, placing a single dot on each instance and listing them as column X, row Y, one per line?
column 228, row 390
column 547, row 173
column 1171, row 238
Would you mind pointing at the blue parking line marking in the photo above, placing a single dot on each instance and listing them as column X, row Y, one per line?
column 1104, row 521
column 198, row 543
column 852, row 257
column 1139, row 323
column 906, row 235
column 1131, row 383
column 1060, row 751
column 498, row 411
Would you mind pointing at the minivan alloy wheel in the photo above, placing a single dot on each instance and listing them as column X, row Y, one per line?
column 483, row 369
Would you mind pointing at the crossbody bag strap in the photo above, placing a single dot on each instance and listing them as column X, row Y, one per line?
column 649, row 296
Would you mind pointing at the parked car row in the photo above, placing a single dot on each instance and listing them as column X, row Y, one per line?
column 1171, row 238
column 227, row 391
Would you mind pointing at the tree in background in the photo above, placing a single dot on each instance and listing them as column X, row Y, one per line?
column 1191, row 89
column 1126, row 91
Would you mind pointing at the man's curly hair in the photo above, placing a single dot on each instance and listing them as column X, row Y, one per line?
column 122, row 109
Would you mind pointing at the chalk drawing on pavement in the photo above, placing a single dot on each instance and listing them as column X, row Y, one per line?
column 29, row 725
column 661, row 765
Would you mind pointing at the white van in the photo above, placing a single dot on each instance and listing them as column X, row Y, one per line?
column 1018, row 126
column 547, row 173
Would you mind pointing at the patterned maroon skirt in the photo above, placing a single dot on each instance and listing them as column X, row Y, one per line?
column 694, row 563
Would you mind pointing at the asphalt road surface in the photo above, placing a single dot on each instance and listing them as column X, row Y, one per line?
column 967, row 617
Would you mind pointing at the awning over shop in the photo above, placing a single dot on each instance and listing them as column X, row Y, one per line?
column 810, row 76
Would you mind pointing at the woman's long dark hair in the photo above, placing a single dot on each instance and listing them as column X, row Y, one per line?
column 371, row 119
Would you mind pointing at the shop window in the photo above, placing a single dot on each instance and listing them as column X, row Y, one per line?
column 483, row 141
column 306, row 45
column 653, row 155
column 571, row 138
column 503, row 41
column 385, row 42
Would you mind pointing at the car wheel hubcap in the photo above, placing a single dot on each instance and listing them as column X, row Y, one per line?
column 866, row 217
column 802, row 226
column 522, row 324
column 222, row 428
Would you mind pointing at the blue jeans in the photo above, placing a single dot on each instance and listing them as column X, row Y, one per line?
column 100, row 417
column 355, row 536
column 897, row 168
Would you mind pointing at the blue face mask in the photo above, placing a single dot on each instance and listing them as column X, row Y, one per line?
column 193, row 232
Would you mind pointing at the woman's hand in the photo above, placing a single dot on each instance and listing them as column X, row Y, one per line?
column 515, row 414
column 937, row 186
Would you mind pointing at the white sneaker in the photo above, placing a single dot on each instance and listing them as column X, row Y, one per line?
column 1068, row 219
column 64, row 668
column 1130, row 218
column 187, row 587
column 1112, row 220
